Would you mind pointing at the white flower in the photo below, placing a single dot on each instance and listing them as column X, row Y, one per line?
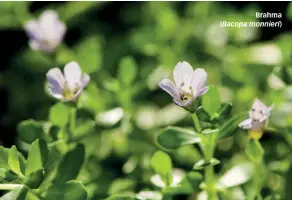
column 46, row 33
column 67, row 87
column 189, row 84
column 257, row 116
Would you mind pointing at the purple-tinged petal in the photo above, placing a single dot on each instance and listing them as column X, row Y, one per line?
column 246, row 124
column 168, row 86
column 85, row 80
column 56, row 82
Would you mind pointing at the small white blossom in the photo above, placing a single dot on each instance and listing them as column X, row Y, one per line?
column 45, row 33
column 67, row 87
column 257, row 117
column 189, row 84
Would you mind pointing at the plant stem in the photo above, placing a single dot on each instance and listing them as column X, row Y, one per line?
column 72, row 124
column 209, row 171
column 196, row 122
column 9, row 186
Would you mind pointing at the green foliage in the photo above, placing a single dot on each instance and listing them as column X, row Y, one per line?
column 70, row 164
column 162, row 165
column 127, row 71
column 211, row 101
column 102, row 145
column 175, row 137
column 30, row 130
column 59, row 114
column 16, row 194
column 13, row 160
column 254, row 150
column 37, row 156
column 72, row 190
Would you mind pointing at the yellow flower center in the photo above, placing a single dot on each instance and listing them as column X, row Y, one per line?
column 67, row 93
column 255, row 134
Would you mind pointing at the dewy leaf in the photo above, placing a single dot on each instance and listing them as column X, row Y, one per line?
column 30, row 130
column 72, row 190
column 229, row 127
column 71, row 164
column 4, row 158
column 211, row 101
column 89, row 54
column 37, row 156
column 59, row 114
column 162, row 165
column 13, row 160
column 202, row 163
column 127, row 71
column 175, row 137
column 254, row 150
column 16, row 194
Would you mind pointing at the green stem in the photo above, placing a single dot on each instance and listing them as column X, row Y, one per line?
column 72, row 124
column 196, row 122
column 209, row 171
column 256, row 182
column 9, row 186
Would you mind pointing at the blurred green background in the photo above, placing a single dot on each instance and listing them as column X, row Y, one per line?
column 153, row 36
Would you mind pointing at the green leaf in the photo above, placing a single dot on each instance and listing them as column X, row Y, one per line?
column 34, row 179
column 175, row 137
column 225, row 110
column 4, row 158
column 202, row 114
column 203, row 163
column 13, row 160
column 59, row 114
column 89, row 54
column 188, row 185
column 254, row 150
column 71, row 164
column 288, row 183
column 30, row 130
column 16, row 194
column 162, row 165
column 121, row 197
column 72, row 190
column 121, row 185
column 37, row 156
column 7, row 175
column 211, row 101
column 127, row 71
column 230, row 127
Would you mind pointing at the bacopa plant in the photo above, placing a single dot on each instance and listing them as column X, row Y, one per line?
column 167, row 109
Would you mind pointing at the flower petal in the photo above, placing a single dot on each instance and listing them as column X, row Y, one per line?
column 85, row 80
column 56, row 82
column 32, row 30
column 168, row 86
column 73, row 75
column 202, row 91
column 199, row 78
column 246, row 124
column 182, row 74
